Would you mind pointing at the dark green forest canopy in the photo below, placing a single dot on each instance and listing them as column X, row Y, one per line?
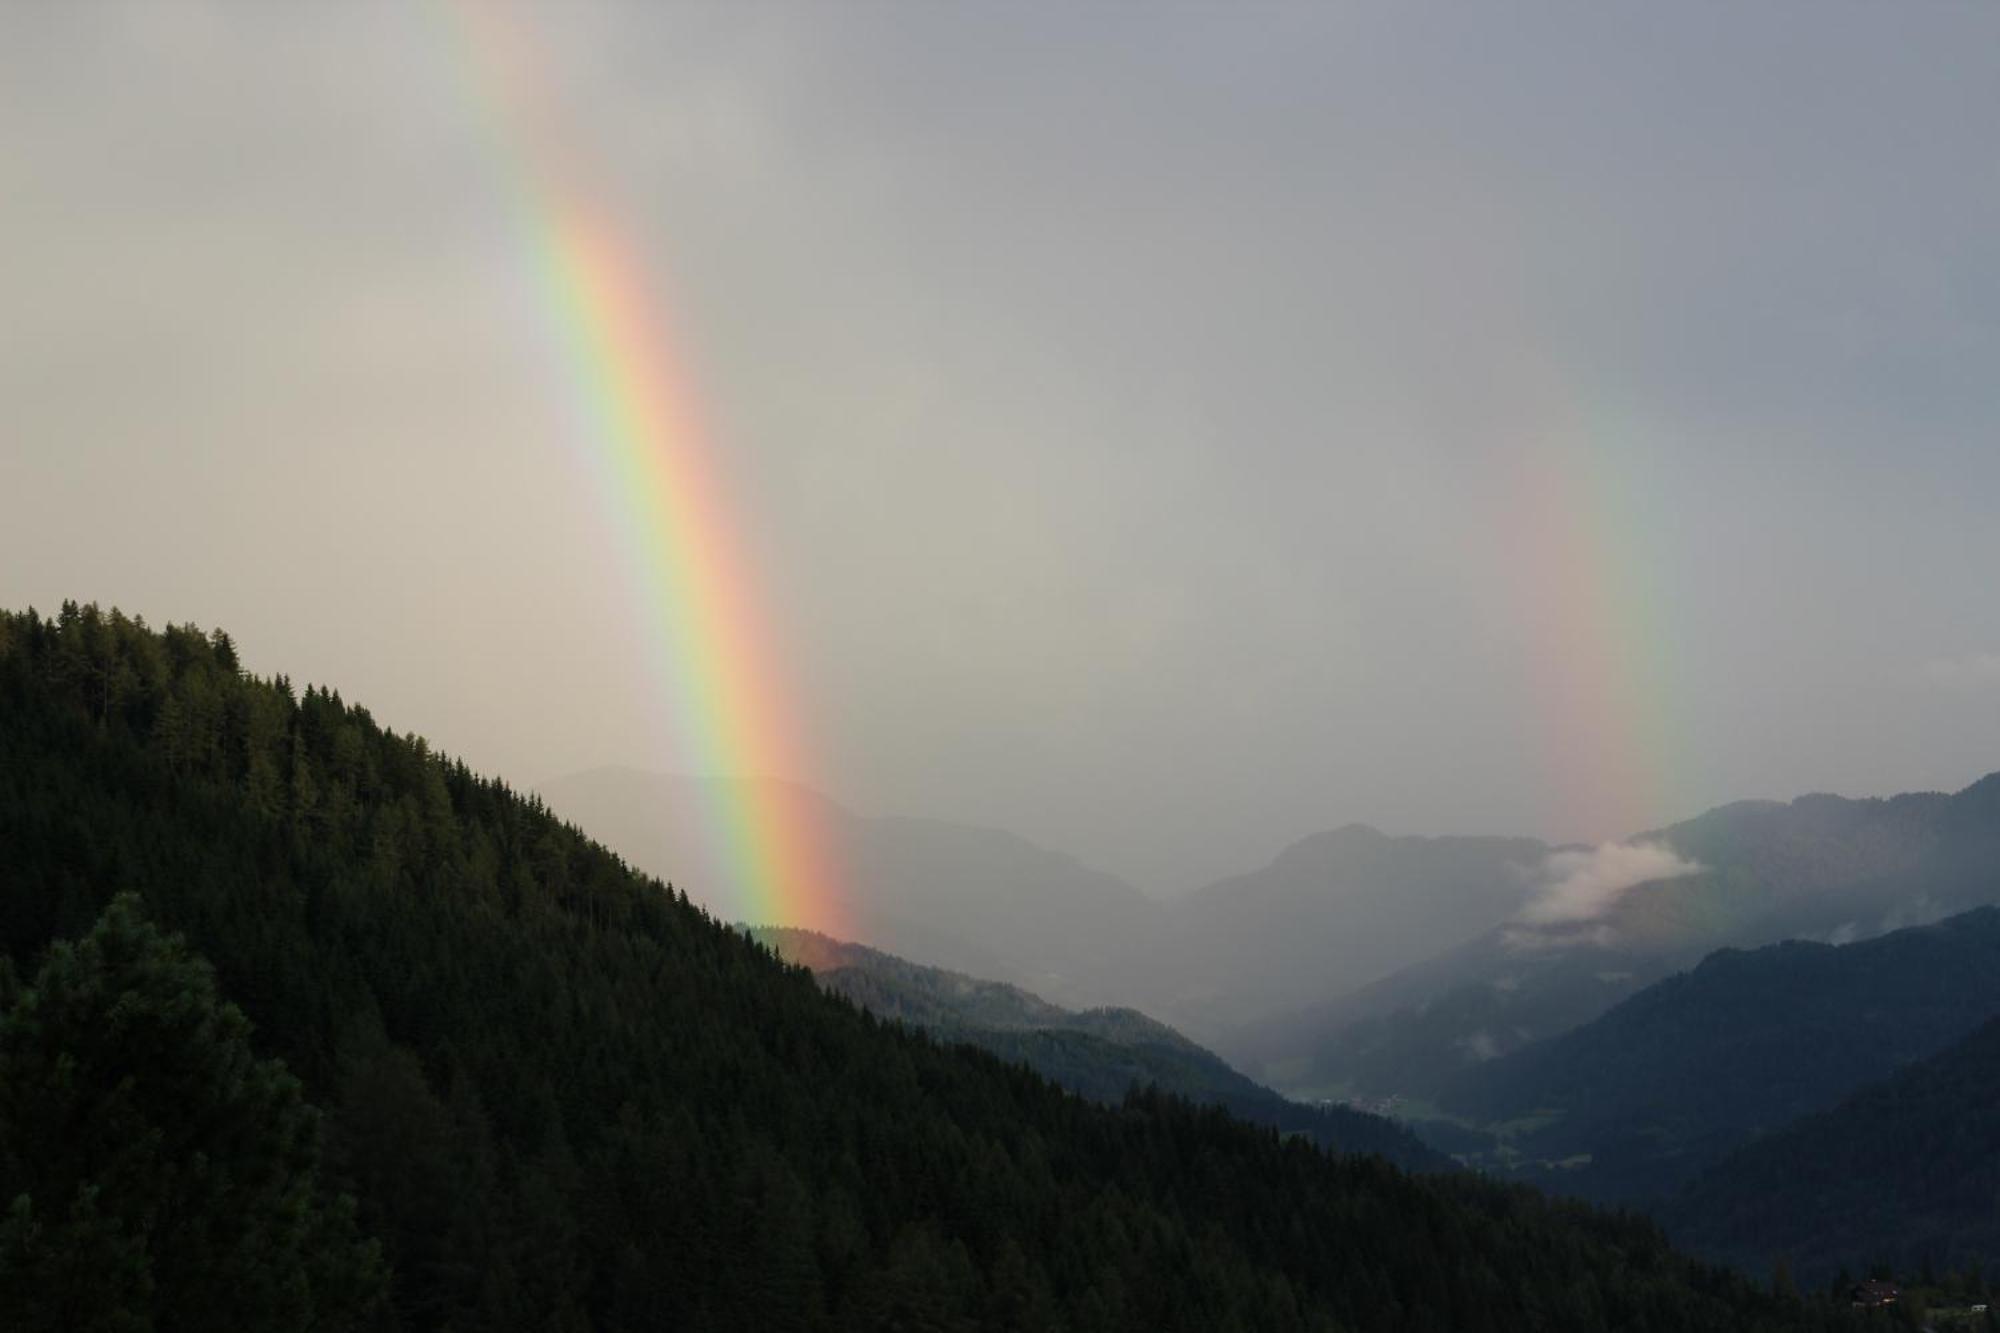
column 564, row 1097
column 155, row 1171
column 1904, row 1173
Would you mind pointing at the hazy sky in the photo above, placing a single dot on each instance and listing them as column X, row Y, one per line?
column 1164, row 430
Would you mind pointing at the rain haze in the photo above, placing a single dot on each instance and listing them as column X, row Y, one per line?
column 1162, row 432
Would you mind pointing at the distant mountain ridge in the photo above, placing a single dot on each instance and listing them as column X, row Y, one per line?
column 1821, row 867
column 1357, row 963
column 1341, row 909
column 1672, row 1078
column 1097, row 1053
column 1329, row 911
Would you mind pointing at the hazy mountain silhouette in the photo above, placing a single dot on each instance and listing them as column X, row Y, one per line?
column 1356, row 963
column 976, row 900
column 1332, row 912
column 1818, row 867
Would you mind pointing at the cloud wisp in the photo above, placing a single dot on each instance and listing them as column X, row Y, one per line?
column 1579, row 887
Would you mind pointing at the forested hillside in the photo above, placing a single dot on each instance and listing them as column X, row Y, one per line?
column 1098, row 1053
column 1903, row 1172
column 561, row 1097
column 1655, row 1090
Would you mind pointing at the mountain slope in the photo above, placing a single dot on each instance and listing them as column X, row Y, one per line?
column 1818, row 867
column 1656, row 1088
column 1410, row 1034
column 564, row 1097
column 1904, row 1171
column 1330, row 913
column 1097, row 1053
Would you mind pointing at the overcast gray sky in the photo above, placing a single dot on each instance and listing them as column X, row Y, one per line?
column 1164, row 430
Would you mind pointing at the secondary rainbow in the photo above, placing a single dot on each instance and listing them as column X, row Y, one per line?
column 1579, row 532
column 655, row 466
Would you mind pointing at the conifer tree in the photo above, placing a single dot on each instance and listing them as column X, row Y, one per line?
column 155, row 1174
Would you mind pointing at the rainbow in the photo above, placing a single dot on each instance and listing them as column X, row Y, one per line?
column 1575, row 535
column 656, row 471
